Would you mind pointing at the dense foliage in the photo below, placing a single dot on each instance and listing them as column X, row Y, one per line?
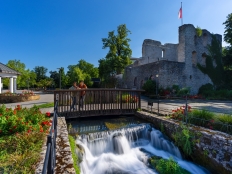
column 26, row 75
column 214, row 67
column 149, row 86
column 119, row 54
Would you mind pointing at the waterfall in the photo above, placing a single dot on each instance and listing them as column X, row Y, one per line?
column 120, row 151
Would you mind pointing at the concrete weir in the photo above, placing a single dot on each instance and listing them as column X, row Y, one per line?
column 213, row 150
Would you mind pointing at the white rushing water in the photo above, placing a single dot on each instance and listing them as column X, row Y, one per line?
column 119, row 151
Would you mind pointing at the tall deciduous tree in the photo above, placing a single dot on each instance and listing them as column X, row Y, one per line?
column 40, row 72
column 214, row 67
column 227, row 51
column 119, row 53
column 82, row 71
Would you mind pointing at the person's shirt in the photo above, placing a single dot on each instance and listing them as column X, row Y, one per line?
column 73, row 88
column 82, row 87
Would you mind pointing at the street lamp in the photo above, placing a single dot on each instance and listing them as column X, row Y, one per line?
column 28, row 84
column 157, row 76
column 60, row 76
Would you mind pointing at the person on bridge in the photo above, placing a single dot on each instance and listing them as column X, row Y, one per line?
column 82, row 85
column 74, row 98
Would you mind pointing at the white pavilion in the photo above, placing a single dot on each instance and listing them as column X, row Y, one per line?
column 6, row 72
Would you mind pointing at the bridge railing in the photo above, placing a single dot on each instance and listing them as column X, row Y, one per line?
column 96, row 102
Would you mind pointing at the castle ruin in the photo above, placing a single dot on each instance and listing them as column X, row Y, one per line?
column 174, row 64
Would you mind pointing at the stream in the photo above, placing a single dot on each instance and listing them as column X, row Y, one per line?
column 126, row 150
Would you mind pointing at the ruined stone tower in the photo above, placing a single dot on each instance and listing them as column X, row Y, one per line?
column 175, row 64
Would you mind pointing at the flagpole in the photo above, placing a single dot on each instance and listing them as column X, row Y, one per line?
column 181, row 14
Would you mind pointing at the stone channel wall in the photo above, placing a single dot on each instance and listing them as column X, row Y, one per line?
column 64, row 160
column 213, row 150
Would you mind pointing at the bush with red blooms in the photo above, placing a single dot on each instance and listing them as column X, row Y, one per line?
column 13, row 121
column 127, row 98
column 24, row 93
column 178, row 114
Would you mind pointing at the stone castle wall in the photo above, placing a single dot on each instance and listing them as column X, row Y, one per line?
column 175, row 63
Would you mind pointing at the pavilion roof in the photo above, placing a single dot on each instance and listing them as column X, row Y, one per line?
column 7, row 70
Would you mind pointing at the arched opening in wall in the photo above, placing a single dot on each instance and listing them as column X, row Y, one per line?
column 194, row 57
column 205, row 39
column 203, row 58
column 162, row 55
column 151, row 77
column 135, row 81
column 141, row 84
column 195, row 39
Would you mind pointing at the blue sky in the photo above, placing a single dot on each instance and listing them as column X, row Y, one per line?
column 58, row 33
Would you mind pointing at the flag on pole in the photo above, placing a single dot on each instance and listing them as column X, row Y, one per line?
column 180, row 13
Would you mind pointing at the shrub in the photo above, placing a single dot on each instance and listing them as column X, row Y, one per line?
column 198, row 31
column 184, row 91
column 178, row 113
column 227, row 119
column 183, row 138
column 150, row 87
column 164, row 166
column 206, row 90
column 175, row 89
column 202, row 114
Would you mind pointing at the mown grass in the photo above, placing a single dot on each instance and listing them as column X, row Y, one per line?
column 46, row 105
column 74, row 156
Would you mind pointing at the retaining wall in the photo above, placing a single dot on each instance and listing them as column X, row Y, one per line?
column 213, row 150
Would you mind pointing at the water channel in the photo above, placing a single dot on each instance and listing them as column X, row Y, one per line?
column 123, row 145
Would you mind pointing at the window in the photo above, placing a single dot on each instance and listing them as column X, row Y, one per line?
column 135, row 81
column 205, row 39
column 203, row 58
column 194, row 57
column 162, row 54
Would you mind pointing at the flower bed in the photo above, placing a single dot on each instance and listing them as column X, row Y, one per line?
column 22, row 133
column 221, row 122
column 9, row 97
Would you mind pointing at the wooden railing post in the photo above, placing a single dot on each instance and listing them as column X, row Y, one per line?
column 139, row 98
column 120, row 93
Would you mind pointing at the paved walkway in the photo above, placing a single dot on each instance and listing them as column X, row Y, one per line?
column 213, row 106
column 165, row 105
column 44, row 98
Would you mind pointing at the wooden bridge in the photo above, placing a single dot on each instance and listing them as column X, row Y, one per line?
column 97, row 102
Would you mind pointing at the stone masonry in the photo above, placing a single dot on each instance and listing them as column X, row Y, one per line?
column 213, row 150
column 175, row 64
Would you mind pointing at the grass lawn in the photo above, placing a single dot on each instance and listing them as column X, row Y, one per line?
column 74, row 156
column 22, row 134
column 46, row 105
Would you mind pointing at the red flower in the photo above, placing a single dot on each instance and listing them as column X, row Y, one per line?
column 48, row 114
column 15, row 127
column 29, row 131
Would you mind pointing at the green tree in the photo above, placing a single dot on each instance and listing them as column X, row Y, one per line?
column 40, row 73
column 56, row 78
column 44, row 83
column 227, row 51
column 119, row 53
column 82, row 71
column 26, row 76
column 88, row 68
column 214, row 66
